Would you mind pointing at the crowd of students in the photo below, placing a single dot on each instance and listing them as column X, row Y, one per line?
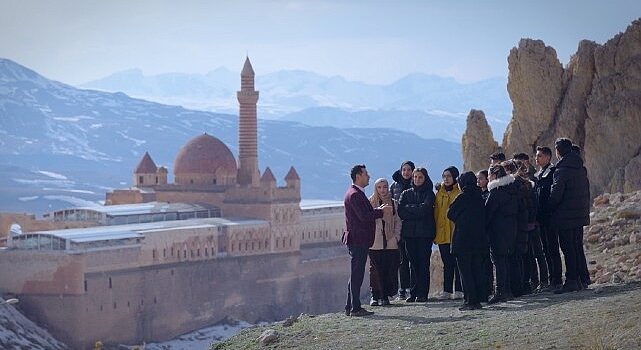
column 498, row 231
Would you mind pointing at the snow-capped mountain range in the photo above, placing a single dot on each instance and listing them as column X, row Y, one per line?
column 60, row 145
column 429, row 99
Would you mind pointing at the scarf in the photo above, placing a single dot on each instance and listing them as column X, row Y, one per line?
column 388, row 219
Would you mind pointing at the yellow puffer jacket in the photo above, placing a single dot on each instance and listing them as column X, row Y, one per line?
column 444, row 226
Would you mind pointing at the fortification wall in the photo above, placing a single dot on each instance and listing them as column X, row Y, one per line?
column 159, row 302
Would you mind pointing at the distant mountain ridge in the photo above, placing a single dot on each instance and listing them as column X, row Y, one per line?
column 289, row 91
column 59, row 143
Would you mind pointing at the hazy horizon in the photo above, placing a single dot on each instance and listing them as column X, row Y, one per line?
column 375, row 42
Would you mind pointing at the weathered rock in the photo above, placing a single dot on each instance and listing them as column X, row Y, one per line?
column 290, row 321
column 535, row 84
column 269, row 336
column 593, row 238
column 603, row 199
column 617, row 277
column 478, row 142
column 614, row 110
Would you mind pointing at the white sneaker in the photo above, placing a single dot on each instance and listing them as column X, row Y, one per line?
column 457, row 295
column 444, row 296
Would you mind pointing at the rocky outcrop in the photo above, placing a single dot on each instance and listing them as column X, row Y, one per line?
column 613, row 240
column 478, row 142
column 535, row 85
column 595, row 101
column 18, row 332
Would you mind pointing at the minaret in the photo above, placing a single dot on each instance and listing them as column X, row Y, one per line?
column 247, row 128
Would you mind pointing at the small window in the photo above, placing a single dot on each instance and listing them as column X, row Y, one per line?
column 140, row 178
column 85, row 285
column 156, row 180
column 110, row 285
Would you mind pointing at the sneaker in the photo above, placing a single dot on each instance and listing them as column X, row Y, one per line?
column 410, row 300
column 444, row 296
column 373, row 302
column 401, row 296
column 421, row 300
column 384, row 302
column 457, row 295
column 360, row 313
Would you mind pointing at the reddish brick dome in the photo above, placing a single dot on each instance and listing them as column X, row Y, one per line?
column 205, row 154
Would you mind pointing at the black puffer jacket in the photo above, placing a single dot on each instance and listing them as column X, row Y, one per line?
column 399, row 185
column 416, row 210
column 468, row 213
column 527, row 212
column 570, row 193
column 501, row 215
column 543, row 184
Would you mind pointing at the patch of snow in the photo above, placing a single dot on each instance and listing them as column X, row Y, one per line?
column 136, row 141
column 52, row 175
column 26, row 199
column 200, row 339
column 79, row 202
column 67, row 190
column 96, row 126
column 72, row 119
column 61, row 183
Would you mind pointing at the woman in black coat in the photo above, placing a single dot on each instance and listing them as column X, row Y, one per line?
column 416, row 210
column 501, row 214
column 469, row 241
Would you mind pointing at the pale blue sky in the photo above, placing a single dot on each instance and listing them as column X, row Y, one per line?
column 372, row 41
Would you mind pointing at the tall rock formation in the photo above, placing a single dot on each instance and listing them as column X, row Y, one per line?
column 595, row 101
column 478, row 142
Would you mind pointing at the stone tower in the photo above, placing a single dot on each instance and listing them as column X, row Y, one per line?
column 247, row 134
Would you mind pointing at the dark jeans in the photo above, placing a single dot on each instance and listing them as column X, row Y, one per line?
column 573, row 255
column 502, row 274
column 450, row 270
column 358, row 260
column 419, row 251
column 383, row 269
column 584, row 274
column 515, row 261
column 550, row 240
column 489, row 270
column 403, row 269
column 473, row 275
column 537, row 263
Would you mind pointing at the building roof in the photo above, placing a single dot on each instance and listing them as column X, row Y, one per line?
column 306, row 204
column 204, row 154
column 146, row 165
column 268, row 176
column 292, row 174
column 142, row 208
column 247, row 68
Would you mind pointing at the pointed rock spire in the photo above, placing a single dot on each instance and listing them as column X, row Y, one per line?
column 146, row 165
column 268, row 176
column 247, row 68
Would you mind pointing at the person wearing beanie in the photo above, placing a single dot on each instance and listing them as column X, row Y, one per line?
column 416, row 210
column 384, row 255
column 445, row 195
column 402, row 181
column 469, row 241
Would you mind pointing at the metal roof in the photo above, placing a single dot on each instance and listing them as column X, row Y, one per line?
column 319, row 203
column 141, row 208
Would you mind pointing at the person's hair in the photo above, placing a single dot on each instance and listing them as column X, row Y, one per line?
column 563, row 146
column 576, row 149
column 521, row 156
column 510, row 166
column 356, row 169
column 467, row 181
column 498, row 156
column 484, row 173
column 545, row 150
column 497, row 170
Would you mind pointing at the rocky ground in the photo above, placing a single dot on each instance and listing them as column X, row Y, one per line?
column 606, row 316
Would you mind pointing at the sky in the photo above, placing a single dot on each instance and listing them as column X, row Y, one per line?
column 371, row 41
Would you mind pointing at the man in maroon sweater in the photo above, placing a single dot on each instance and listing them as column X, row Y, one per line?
column 360, row 223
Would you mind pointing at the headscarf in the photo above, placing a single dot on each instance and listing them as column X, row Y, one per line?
column 377, row 200
column 467, row 182
column 454, row 172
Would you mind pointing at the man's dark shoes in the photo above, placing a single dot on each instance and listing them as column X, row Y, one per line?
column 410, row 300
column 373, row 302
column 360, row 313
column 347, row 312
column 384, row 301
column 421, row 300
column 468, row 307
column 569, row 286
column 497, row 298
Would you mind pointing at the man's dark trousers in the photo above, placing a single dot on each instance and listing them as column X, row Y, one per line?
column 550, row 240
column 567, row 240
column 358, row 260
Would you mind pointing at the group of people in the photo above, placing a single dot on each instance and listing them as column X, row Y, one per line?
column 498, row 231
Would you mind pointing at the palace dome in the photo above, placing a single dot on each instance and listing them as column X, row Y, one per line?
column 204, row 155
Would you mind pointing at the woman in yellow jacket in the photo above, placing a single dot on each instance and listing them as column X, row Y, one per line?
column 445, row 195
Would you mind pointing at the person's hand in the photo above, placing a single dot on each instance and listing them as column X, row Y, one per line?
column 387, row 209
